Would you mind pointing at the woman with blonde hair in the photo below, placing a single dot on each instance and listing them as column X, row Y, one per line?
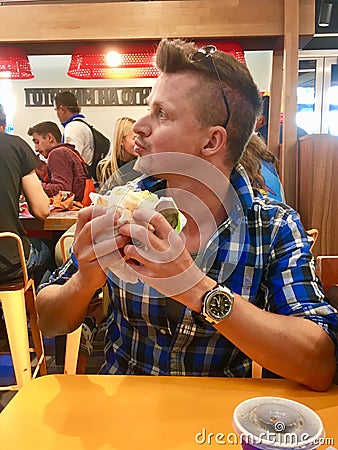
column 121, row 152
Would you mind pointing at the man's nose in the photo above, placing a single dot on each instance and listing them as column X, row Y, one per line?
column 142, row 126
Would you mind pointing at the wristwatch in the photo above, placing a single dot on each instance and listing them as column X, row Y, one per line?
column 217, row 304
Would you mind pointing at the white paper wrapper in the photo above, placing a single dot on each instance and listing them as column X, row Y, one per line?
column 126, row 200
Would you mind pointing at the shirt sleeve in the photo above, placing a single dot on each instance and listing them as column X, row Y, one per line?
column 79, row 134
column 63, row 273
column 29, row 160
column 291, row 282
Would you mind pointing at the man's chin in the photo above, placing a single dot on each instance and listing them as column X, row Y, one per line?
column 153, row 165
column 139, row 166
column 144, row 164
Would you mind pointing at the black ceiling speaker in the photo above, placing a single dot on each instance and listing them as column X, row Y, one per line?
column 325, row 12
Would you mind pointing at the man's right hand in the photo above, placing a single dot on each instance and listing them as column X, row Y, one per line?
column 93, row 253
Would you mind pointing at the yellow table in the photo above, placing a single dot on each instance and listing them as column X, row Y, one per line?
column 101, row 412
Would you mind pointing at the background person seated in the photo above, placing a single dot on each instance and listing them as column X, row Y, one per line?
column 17, row 170
column 262, row 124
column 65, row 170
column 109, row 172
column 260, row 165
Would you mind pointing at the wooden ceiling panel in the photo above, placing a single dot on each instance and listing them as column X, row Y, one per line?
column 67, row 24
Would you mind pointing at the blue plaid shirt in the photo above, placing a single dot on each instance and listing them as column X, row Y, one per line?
column 275, row 271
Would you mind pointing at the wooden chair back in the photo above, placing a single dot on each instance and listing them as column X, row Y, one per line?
column 74, row 361
column 65, row 242
column 313, row 232
column 18, row 300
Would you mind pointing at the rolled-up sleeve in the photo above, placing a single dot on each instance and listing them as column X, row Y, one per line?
column 292, row 285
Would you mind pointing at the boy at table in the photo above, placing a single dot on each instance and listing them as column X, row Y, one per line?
column 238, row 284
column 65, row 167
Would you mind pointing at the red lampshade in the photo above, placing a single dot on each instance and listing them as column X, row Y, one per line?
column 92, row 62
column 137, row 59
column 14, row 64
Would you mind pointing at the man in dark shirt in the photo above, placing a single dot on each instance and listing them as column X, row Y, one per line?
column 65, row 167
column 17, row 173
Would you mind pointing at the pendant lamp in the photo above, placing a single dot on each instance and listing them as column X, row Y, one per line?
column 130, row 60
column 14, row 64
column 135, row 60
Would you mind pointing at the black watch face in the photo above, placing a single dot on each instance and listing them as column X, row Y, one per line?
column 218, row 305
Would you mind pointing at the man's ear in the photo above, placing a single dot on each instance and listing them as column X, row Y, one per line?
column 51, row 138
column 216, row 141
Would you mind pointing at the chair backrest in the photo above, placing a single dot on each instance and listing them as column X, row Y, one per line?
column 8, row 234
column 66, row 237
column 18, row 303
column 327, row 271
column 314, row 234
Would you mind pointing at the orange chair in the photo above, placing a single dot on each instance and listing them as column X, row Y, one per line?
column 72, row 339
column 16, row 298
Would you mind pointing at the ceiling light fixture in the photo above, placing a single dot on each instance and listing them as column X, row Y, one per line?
column 14, row 64
column 325, row 12
column 130, row 59
column 136, row 60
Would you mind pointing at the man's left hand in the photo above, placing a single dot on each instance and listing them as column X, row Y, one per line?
column 158, row 255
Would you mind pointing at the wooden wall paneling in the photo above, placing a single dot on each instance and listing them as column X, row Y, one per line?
column 318, row 189
column 289, row 145
column 275, row 99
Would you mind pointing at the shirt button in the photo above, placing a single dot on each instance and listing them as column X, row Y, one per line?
column 163, row 331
